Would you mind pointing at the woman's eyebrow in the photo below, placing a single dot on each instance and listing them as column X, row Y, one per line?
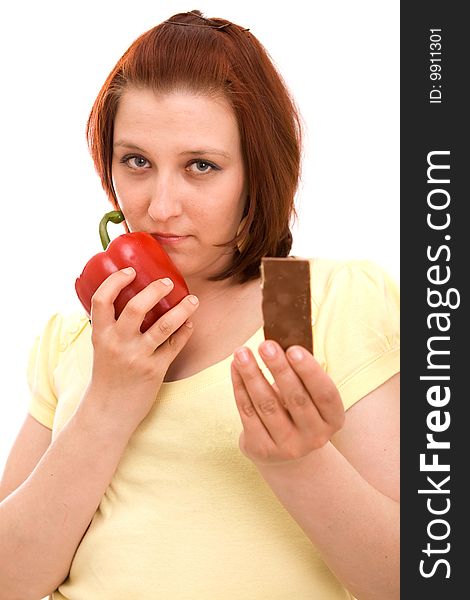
column 203, row 151
column 197, row 152
column 123, row 144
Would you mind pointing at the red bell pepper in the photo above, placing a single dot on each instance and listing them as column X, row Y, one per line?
column 138, row 250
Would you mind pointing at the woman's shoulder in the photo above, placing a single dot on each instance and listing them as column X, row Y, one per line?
column 334, row 276
column 63, row 327
column 328, row 268
column 356, row 319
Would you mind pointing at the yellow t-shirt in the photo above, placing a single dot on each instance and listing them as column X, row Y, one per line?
column 186, row 515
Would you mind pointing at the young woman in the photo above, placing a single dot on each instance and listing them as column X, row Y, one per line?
column 198, row 460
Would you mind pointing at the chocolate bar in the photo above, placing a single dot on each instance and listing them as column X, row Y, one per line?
column 286, row 301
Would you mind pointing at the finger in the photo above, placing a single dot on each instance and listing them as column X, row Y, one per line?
column 293, row 394
column 252, row 424
column 175, row 343
column 131, row 317
column 271, row 412
column 170, row 322
column 319, row 385
column 102, row 301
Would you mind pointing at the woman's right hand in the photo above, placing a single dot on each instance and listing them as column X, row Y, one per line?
column 129, row 366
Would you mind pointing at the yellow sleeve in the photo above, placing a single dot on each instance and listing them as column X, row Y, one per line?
column 43, row 359
column 357, row 328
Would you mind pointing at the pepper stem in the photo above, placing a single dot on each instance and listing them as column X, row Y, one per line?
column 115, row 216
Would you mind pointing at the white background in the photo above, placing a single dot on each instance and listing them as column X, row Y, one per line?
column 341, row 62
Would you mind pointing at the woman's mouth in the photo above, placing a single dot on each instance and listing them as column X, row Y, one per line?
column 169, row 238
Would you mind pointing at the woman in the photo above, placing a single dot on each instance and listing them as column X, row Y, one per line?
column 132, row 476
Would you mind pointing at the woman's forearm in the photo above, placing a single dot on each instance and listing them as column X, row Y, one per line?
column 353, row 525
column 44, row 520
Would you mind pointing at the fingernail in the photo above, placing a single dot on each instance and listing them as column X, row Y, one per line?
column 128, row 271
column 194, row 300
column 295, row 353
column 166, row 281
column 269, row 349
column 242, row 356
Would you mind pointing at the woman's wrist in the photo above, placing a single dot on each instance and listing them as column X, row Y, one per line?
column 313, row 461
column 104, row 415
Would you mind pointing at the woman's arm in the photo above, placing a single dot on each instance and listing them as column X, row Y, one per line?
column 43, row 521
column 346, row 498
column 31, row 442
column 344, row 492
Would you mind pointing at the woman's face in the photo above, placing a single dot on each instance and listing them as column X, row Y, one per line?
column 178, row 174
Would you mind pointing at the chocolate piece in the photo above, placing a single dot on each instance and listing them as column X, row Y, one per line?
column 286, row 303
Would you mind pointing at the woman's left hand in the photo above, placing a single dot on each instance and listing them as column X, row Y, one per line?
column 287, row 420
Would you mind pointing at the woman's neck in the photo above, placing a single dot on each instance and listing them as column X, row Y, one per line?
column 210, row 292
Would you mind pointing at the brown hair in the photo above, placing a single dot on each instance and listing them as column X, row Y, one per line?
column 213, row 56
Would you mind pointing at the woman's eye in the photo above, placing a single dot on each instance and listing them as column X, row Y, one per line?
column 202, row 166
column 135, row 162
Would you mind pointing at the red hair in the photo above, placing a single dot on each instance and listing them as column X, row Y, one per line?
column 191, row 53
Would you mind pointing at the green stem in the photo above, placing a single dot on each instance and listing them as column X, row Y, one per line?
column 115, row 216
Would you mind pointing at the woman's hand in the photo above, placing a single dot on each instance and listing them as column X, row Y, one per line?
column 285, row 421
column 129, row 366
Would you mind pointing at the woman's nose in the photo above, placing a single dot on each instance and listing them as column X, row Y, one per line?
column 165, row 199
